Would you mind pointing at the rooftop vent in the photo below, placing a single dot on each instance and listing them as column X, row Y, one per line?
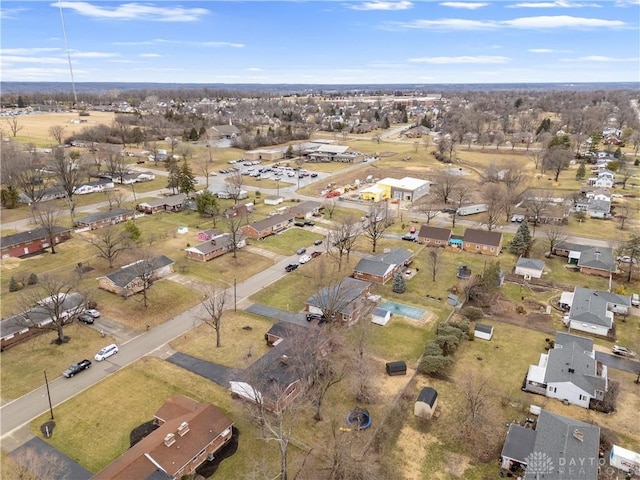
column 183, row 428
column 170, row 439
column 284, row 359
column 571, row 370
column 578, row 434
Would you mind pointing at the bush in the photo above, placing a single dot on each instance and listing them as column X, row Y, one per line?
column 472, row 313
column 462, row 325
column 435, row 365
column 520, row 310
column 14, row 285
column 33, row 279
column 399, row 283
column 432, row 348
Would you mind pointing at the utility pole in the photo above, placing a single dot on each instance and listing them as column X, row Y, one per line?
column 48, row 393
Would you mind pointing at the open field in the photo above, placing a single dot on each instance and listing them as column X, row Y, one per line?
column 289, row 241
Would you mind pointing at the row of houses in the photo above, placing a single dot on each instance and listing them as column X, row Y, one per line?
column 473, row 240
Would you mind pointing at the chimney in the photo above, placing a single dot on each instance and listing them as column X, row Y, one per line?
column 169, row 439
column 183, row 429
column 578, row 435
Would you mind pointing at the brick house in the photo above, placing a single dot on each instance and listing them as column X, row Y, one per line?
column 215, row 247
column 33, row 241
column 188, row 433
column 482, row 241
column 305, row 210
column 434, row 236
column 267, row 226
column 173, row 203
column 344, row 301
column 102, row 219
column 591, row 260
column 127, row 280
column 381, row 268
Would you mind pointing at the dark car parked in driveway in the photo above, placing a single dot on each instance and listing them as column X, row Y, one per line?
column 86, row 319
column 291, row 267
column 76, row 368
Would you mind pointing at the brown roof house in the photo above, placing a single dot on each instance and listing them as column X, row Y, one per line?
column 131, row 278
column 189, row 433
column 305, row 210
column 267, row 226
column 381, row 268
column 482, row 241
column 344, row 300
column 102, row 219
column 173, row 203
column 434, row 236
column 213, row 248
column 33, row 241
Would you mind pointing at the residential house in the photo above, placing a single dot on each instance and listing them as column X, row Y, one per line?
column 593, row 311
column 273, row 200
column 130, row 279
column 224, row 131
column 33, row 241
column 102, row 219
column 482, row 241
column 275, row 379
column 434, row 236
column 239, row 210
column 529, row 268
column 188, row 434
column 306, row 210
column 416, row 132
column 48, row 194
column 267, row 226
column 343, row 301
column 591, row 260
column 213, row 248
column 101, row 185
column 569, row 372
column 174, row 203
column 599, row 208
column 208, row 234
column 605, row 179
column 558, row 448
column 381, row 268
column 22, row 326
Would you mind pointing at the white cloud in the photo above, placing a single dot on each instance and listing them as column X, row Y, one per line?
column 26, row 51
column 532, row 23
column 381, row 5
column 627, row 3
column 554, row 4
column 40, row 60
column 461, row 60
column 600, row 59
column 220, row 44
column 150, row 55
column 547, row 50
column 135, row 11
column 10, row 13
column 254, row 69
column 93, row 55
column 464, row 5
column 38, row 74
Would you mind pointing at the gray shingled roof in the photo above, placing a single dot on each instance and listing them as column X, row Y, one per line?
column 305, row 207
column 125, row 275
column 519, row 443
column 339, row 295
column 598, row 257
column 269, row 222
column 102, row 216
column 396, row 256
column 373, row 267
column 590, row 306
column 567, row 444
column 571, row 363
column 24, row 237
column 171, row 201
column 221, row 241
column 530, row 263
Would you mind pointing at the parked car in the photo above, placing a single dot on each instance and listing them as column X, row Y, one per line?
column 309, row 223
column 299, row 224
column 86, row 319
column 635, row 300
column 313, row 175
column 93, row 312
column 315, row 254
column 410, row 237
column 304, row 259
column 76, row 368
column 106, row 352
column 301, row 250
column 623, row 351
column 318, row 242
column 291, row 267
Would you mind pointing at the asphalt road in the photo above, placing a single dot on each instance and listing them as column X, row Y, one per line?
column 618, row 363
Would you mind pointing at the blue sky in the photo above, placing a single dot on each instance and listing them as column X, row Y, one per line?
column 328, row 42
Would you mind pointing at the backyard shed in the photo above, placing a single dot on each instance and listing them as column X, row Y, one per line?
column 483, row 331
column 380, row 316
column 426, row 403
column 396, row 368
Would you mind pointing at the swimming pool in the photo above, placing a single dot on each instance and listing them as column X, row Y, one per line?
column 404, row 310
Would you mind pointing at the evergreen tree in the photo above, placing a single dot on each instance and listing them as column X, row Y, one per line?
column 9, row 197
column 174, row 171
column 582, row 172
column 386, row 124
column 133, row 231
column 33, row 279
column 186, row 179
column 207, row 204
column 399, row 283
column 521, row 242
column 14, row 286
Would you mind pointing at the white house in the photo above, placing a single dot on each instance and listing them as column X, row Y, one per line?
column 529, row 268
column 569, row 372
column 102, row 185
column 593, row 311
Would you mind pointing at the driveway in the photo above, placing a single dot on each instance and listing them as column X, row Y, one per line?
column 619, row 363
column 276, row 314
column 43, row 461
column 219, row 374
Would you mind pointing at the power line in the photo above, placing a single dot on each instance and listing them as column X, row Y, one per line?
column 66, row 44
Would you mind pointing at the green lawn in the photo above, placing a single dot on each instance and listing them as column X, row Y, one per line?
column 400, row 339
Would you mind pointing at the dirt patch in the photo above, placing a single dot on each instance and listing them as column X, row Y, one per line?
column 141, row 431
column 412, row 446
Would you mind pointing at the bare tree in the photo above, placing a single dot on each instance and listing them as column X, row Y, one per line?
column 537, row 156
column 344, row 237
column 214, row 306
column 299, row 160
column 427, row 207
column 459, row 196
column 110, row 156
column 206, row 164
column 51, row 304
column 492, row 195
column 115, row 197
column 377, row 223
column 110, row 243
column 330, row 207
column 556, row 235
column 29, row 463
column 69, row 175
column 557, row 159
column 14, row 125
column 538, row 205
column 624, row 211
column 624, row 172
column 433, row 263
column 234, row 225
column 234, row 184
column 144, row 268
column 49, row 219
column 444, row 185
column 57, row 133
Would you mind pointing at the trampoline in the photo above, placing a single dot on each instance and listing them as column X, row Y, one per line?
column 404, row 310
column 359, row 419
